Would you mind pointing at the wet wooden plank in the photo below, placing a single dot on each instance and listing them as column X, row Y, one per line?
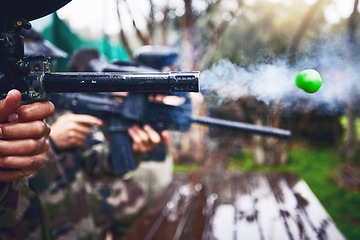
column 175, row 213
column 318, row 218
column 221, row 196
column 246, row 224
column 223, row 205
column 193, row 221
column 211, row 198
column 153, row 216
column 270, row 221
column 296, row 223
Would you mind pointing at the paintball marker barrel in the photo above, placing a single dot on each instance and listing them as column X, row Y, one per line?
column 121, row 82
column 137, row 108
column 244, row 127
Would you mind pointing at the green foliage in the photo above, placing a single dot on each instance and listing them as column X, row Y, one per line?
column 244, row 163
column 265, row 30
column 181, row 168
column 61, row 35
column 314, row 166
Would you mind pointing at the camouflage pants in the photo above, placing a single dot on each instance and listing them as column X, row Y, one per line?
column 112, row 201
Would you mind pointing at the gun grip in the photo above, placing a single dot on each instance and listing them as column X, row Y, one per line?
column 121, row 157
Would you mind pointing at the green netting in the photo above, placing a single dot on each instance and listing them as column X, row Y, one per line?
column 62, row 36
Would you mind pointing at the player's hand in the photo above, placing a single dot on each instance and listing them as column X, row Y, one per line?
column 146, row 138
column 24, row 138
column 71, row 130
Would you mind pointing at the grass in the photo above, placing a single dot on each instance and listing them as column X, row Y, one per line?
column 314, row 165
column 186, row 168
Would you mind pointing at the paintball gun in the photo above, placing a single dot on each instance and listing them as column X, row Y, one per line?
column 33, row 78
column 32, row 75
column 136, row 108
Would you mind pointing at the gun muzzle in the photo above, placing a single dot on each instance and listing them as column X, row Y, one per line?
column 121, row 82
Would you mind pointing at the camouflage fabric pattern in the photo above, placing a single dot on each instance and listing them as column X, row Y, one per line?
column 95, row 156
column 112, row 198
column 114, row 201
column 65, row 204
column 60, row 209
column 14, row 201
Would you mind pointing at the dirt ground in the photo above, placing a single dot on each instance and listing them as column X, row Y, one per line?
column 347, row 176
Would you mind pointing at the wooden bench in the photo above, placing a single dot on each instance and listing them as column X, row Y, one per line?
column 223, row 205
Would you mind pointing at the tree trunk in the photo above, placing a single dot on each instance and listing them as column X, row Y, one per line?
column 122, row 35
column 349, row 147
column 144, row 40
column 165, row 26
column 150, row 22
column 187, row 45
column 269, row 150
column 301, row 30
column 194, row 141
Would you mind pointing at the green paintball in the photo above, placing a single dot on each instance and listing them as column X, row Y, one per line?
column 309, row 80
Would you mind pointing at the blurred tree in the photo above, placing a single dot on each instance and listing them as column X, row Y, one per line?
column 248, row 33
column 269, row 38
column 273, row 150
column 190, row 43
column 348, row 149
column 304, row 25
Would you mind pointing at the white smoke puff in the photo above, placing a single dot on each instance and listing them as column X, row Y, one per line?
column 267, row 82
column 271, row 83
column 227, row 80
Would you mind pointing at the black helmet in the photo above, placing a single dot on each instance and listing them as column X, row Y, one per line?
column 29, row 9
column 156, row 56
column 36, row 45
